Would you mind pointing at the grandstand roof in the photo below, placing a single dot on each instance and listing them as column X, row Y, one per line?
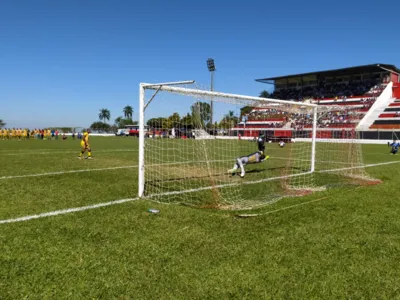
column 340, row 72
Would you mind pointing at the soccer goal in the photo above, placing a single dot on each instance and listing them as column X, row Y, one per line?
column 184, row 158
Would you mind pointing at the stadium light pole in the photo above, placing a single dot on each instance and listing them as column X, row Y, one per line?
column 211, row 68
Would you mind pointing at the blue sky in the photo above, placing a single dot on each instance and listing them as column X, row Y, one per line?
column 61, row 61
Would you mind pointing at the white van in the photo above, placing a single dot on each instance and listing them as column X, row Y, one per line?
column 122, row 132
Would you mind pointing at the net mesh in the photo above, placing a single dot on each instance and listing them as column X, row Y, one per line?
column 189, row 160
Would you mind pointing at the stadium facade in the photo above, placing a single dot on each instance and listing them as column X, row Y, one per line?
column 372, row 92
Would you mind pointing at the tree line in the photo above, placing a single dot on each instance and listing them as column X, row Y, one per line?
column 199, row 117
column 119, row 122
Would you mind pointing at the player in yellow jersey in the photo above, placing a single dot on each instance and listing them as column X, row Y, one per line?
column 85, row 145
column 25, row 134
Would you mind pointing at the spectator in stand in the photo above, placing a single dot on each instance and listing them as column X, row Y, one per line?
column 330, row 90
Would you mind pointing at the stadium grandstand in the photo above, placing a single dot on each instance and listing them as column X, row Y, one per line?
column 368, row 97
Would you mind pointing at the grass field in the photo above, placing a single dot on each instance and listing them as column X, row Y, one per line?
column 342, row 243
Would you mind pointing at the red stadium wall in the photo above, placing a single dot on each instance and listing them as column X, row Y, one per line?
column 251, row 133
column 284, row 133
column 396, row 90
column 323, row 134
column 395, row 78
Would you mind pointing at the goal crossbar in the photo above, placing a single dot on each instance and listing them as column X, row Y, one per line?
column 197, row 92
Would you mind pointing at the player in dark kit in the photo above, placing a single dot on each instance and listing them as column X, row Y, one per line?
column 254, row 158
column 395, row 147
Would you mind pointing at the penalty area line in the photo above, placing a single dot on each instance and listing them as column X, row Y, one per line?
column 66, row 172
column 66, row 211
column 359, row 167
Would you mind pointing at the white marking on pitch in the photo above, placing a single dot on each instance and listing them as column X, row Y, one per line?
column 66, row 211
column 175, row 163
column 58, row 151
column 65, row 172
column 360, row 167
column 77, row 209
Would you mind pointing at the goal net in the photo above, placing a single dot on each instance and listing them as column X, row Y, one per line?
column 190, row 154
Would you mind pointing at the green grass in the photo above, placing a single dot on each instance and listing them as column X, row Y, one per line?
column 344, row 246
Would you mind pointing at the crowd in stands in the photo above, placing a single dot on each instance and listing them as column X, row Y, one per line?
column 268, row 113
column 329, row 119
column 39, row 134
column 336, row 90
column 367, row 90
column 273, row 118
column 367, row 102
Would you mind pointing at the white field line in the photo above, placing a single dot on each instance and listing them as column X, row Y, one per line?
column 66, row 172
column 93, row 170
column 52, row 152
column 96, row 170
column 66, row 211
column 82, row 208
column 177, row 163
column 102, row 169
column 359, row 167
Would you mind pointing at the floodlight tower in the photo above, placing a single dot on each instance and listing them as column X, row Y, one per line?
column 211, row 68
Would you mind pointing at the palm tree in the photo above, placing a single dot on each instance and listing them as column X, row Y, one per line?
column 2, row 123
column 128, row 112
column 118, row 121
column 231, row 118
column 230, row 114
column 104, row 115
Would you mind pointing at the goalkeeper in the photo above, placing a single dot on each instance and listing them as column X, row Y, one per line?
column 254, row 158
column 395, row 147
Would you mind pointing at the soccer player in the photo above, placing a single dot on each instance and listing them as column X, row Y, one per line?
column 395, row 147
column 85, row 145
column 254, row 158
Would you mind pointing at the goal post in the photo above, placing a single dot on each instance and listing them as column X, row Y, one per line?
column 142, row 108
column 184, row 158
column 314, row 137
